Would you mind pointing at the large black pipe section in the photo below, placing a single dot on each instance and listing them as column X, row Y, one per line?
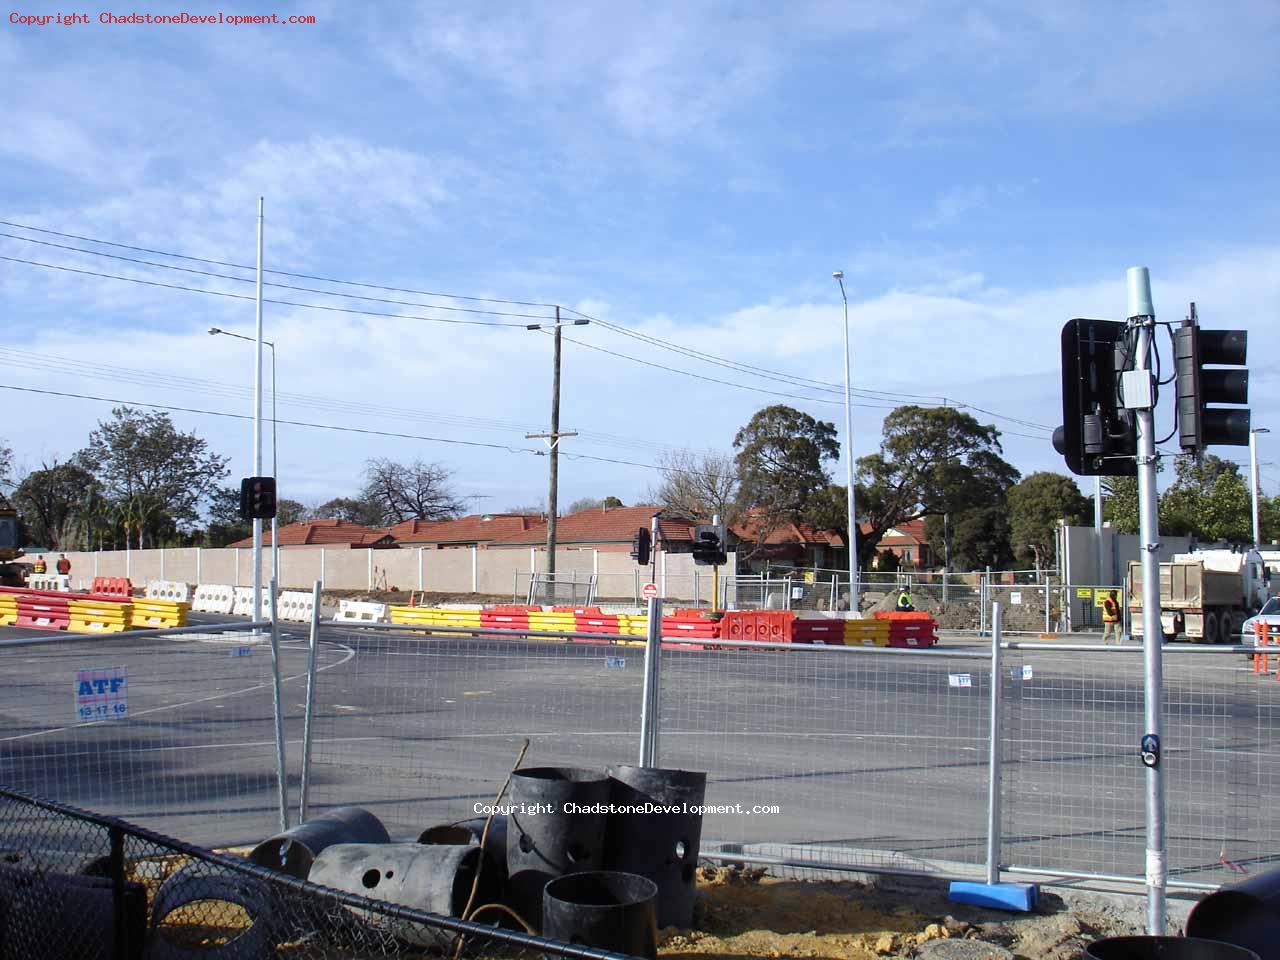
column 59, row 916
column 604, row 909
column 221, row 898
column 1246, row 914
column 556, row 826
column 432, row 877
column 294, row 851
column 1165, row 948
column 468, row 832
column 662, row 842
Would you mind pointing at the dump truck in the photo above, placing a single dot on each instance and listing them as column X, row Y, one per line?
column 10, row 573
column 1205, row 596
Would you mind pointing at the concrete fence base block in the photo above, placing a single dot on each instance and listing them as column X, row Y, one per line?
column 213, row 598
column 296, row 606
column 360, row 611
column 168, row 590
column 997, row 896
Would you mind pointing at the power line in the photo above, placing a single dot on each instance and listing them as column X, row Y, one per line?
column 286, row 303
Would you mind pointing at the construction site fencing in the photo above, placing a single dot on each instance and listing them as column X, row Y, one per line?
column 173, row 729
column 79, row 884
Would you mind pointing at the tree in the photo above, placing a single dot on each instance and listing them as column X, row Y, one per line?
column 1036, row 504
column 1120, row 503
column 780, row 461
column 352, row 509
column 1209, row 500
column 1268, row 518
column 697, row 487
column 225, row 524
column 50, row 500
column 980, row 539
column 290, row 511
column 163, row 475
column 887, row 561
column 594, row 503
column 410, row 491
column 932, row 461
column 6, row 463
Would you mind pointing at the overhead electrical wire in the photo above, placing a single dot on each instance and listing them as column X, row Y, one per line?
column 737, row 366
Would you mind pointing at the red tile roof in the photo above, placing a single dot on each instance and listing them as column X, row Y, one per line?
column 616, row 525
column 749, row 531
column 318, row 532
column 478, row 528
column 905, row 534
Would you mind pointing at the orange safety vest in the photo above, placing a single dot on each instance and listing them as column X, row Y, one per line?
column 39, row 567
column 64, row 566
column 1110, row 611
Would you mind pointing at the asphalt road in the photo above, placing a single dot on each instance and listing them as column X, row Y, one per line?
column 870, row 756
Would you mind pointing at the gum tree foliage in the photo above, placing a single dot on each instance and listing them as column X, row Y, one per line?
column 352, row 509
column 1036, row 504
column 781, row 457
column 980, row 539
column 55, row 503
column 697, row 486
column 1208, row 499
column 410, row 491
column 932, row 461
column 154, row 476
column 6, row 463
column 595, row 503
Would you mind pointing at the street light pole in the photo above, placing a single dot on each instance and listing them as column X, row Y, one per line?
column 851, row 513
column 257, row 429
column 552, row 440
column 1253, row 479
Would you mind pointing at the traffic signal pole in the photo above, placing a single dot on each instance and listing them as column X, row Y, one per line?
column 1141, row 315
column 257, row 432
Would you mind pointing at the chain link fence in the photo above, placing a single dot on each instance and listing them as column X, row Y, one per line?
column 77, row 884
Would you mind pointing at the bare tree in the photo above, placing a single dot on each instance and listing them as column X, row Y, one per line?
column 697, row 486
column 411, row 491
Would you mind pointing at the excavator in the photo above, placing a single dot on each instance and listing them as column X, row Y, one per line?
column 10, row 572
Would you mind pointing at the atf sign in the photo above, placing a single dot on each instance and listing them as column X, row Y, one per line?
column 102, row 694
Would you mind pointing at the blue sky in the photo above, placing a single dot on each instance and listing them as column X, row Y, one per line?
column 982, row 173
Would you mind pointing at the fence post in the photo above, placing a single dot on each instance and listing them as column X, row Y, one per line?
column 162, row 563
column 119, row 916
column 996, row 753
column 1047, row 627
column 420, row 569
column 199, row 565
column 314, row 642
column 282, row 778
column 369, row 568
column 650, row 703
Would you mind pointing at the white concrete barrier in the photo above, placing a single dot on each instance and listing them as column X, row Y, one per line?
column 50, row 581
column 214, row 598
column 360, row 611
column 168, row 590
column 296, row 606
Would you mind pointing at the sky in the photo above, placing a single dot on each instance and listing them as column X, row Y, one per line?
column 691, row 173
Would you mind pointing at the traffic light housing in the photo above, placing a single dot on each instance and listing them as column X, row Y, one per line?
column 709, row 545
column 641, row 544
column 1098, row 437
column 258, row 498
column 1200, row 425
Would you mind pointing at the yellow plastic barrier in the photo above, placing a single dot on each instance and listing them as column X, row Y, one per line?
column 552, row 622
column 98, row 616
column 867, row 633
column 158, row 613
column 633, row 626
column 8, row 609
column 434, row 617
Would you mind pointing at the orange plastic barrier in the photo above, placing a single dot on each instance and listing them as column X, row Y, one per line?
column 763, row 626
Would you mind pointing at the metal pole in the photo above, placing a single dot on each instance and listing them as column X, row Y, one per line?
column 1097, row 528
column 850, row 511
column 996, row 754
column 553, row 484
column 257, row 430
column 275, row 539
column 282, row 771
column 946, row 546
column 1048, row 628
column 314, row 642
column 1253, row 483
column 1142, row 315
column 649, row 705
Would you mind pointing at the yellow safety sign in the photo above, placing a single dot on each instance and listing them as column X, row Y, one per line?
column 1084, row 593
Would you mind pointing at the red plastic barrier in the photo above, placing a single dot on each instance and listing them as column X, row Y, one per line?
column 43, row 612
column 902, row 615
column 763, row 626
column 579, row 611
column 598, row 623
column 113, row 588
column 699, row 627
column 496, row 619
column 914, row 640
column 818, row 631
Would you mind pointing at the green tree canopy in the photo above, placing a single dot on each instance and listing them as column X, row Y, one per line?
column 1036, row 504
column 781, row 460
column 351, row 509
column 53, row 502
column 932, row 461
column 980, row 539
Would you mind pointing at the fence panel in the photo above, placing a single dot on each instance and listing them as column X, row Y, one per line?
column 421, row 728
column 872, row 758
column 184, row 743
column 1073, row 783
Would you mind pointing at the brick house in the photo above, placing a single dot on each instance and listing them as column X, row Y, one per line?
column 907, row 541
column 607, row 530
column 324, row 533
column 478, row 530
column 790, row 544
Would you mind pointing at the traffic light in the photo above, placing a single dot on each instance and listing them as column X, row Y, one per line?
column 1200, row 425
column 1098, row 437
column 258, row 498
column 641, row 544
column 709, row 545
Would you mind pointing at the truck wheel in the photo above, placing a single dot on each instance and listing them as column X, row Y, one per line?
column 1210, row 627
column 1226, row 629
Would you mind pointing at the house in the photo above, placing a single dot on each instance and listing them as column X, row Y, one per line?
column 324, row 533
column 606, row 529
column 478, row 530
column 789, row 544
column 907, row 541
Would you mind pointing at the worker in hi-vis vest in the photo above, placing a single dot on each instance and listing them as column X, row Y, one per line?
column 904, row 602
column 1111, row 619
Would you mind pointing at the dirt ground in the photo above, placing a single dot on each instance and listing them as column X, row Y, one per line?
column 744, row 913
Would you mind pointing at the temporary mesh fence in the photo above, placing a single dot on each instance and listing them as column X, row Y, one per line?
column 1073, row 785
column 420, row 729
column 76, row 884
column 845, row 755
column 174, row 731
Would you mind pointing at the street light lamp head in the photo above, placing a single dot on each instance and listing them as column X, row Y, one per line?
column 581, row 323
column 533, row 326
column 838, row 274
column 1261, row 429
column 214, row 331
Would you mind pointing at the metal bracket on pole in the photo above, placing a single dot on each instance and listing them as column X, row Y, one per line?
column 312, row 645
column 651, row 702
